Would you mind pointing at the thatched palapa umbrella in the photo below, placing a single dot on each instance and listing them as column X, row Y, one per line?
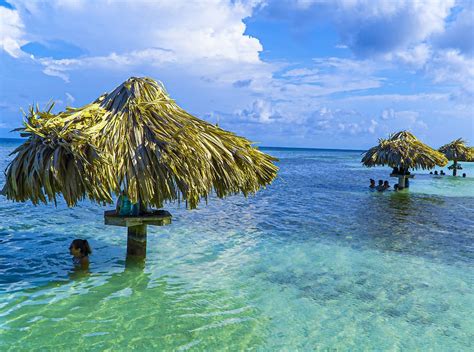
column 456, row 151
column 135, row 140
column 403, row 151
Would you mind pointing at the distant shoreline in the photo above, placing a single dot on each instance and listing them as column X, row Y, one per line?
column 259, row 147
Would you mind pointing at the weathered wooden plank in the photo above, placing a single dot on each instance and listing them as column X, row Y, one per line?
column 157, row 218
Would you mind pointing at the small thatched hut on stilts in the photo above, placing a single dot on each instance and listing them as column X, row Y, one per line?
column 403, row 151
column 138, row 142
column 457, row 151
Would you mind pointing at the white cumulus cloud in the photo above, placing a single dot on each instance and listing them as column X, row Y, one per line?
column 11, row 32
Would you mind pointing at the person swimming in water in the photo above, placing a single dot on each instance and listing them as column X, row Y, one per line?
column 380, row 186
column 372, row 183
column 386, row 185
column 80, row 251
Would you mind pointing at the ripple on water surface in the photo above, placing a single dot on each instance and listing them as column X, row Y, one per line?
column 314, row 261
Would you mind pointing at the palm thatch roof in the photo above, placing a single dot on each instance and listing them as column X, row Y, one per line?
column 457, row 150
column 404, row 151
column 137, row 139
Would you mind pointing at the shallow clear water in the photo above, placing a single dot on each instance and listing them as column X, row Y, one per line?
column 314, row 261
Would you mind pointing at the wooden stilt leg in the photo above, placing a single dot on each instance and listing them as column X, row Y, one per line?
column 136, row 241
column 401, row 182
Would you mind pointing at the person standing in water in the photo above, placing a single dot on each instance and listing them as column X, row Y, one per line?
column 372, row 183
column 80, row 251
column 380, row 186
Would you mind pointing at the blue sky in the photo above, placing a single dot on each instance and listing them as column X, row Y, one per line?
column 330, row 74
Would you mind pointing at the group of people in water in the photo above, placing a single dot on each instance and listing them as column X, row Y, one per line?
column 382, row 186
column 385, row 185
column 442, row 173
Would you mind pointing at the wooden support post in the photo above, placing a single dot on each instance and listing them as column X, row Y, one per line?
column 134, row 263
column 136, row 241
column 401, row 181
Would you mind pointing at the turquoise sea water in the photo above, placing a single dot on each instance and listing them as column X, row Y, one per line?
column 314, row 262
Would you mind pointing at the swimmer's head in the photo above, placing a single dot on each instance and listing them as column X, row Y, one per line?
column 80, row 248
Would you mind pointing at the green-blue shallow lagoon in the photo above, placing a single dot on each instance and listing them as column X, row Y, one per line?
column 315, row 261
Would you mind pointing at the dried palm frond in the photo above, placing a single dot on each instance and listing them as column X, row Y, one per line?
column 135, row 138
column 404, row 151
column 457, row 150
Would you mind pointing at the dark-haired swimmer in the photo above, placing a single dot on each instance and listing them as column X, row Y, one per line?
column 380, row 186
column 80, row 251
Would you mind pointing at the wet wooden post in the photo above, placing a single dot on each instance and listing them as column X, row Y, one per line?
column 455, row 168
column 136, row 240
column 136, row 234
column 401, row 181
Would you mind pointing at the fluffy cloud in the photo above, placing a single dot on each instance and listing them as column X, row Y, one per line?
column 123, row 34
column 261, row 111
column 387, row 114
column 217, row 32
column 393, row 120
column 459, row 34
column 69, row 98
column 202, row 51
column 367, row 27
column 61, row 67
column 433, row 38
column 451, row 67
column 11, row 32
column 379, row 27
column 415, row 56
column 325, row 77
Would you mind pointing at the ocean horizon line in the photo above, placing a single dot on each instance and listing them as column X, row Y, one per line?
column 311, row 148
column 263, row 147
